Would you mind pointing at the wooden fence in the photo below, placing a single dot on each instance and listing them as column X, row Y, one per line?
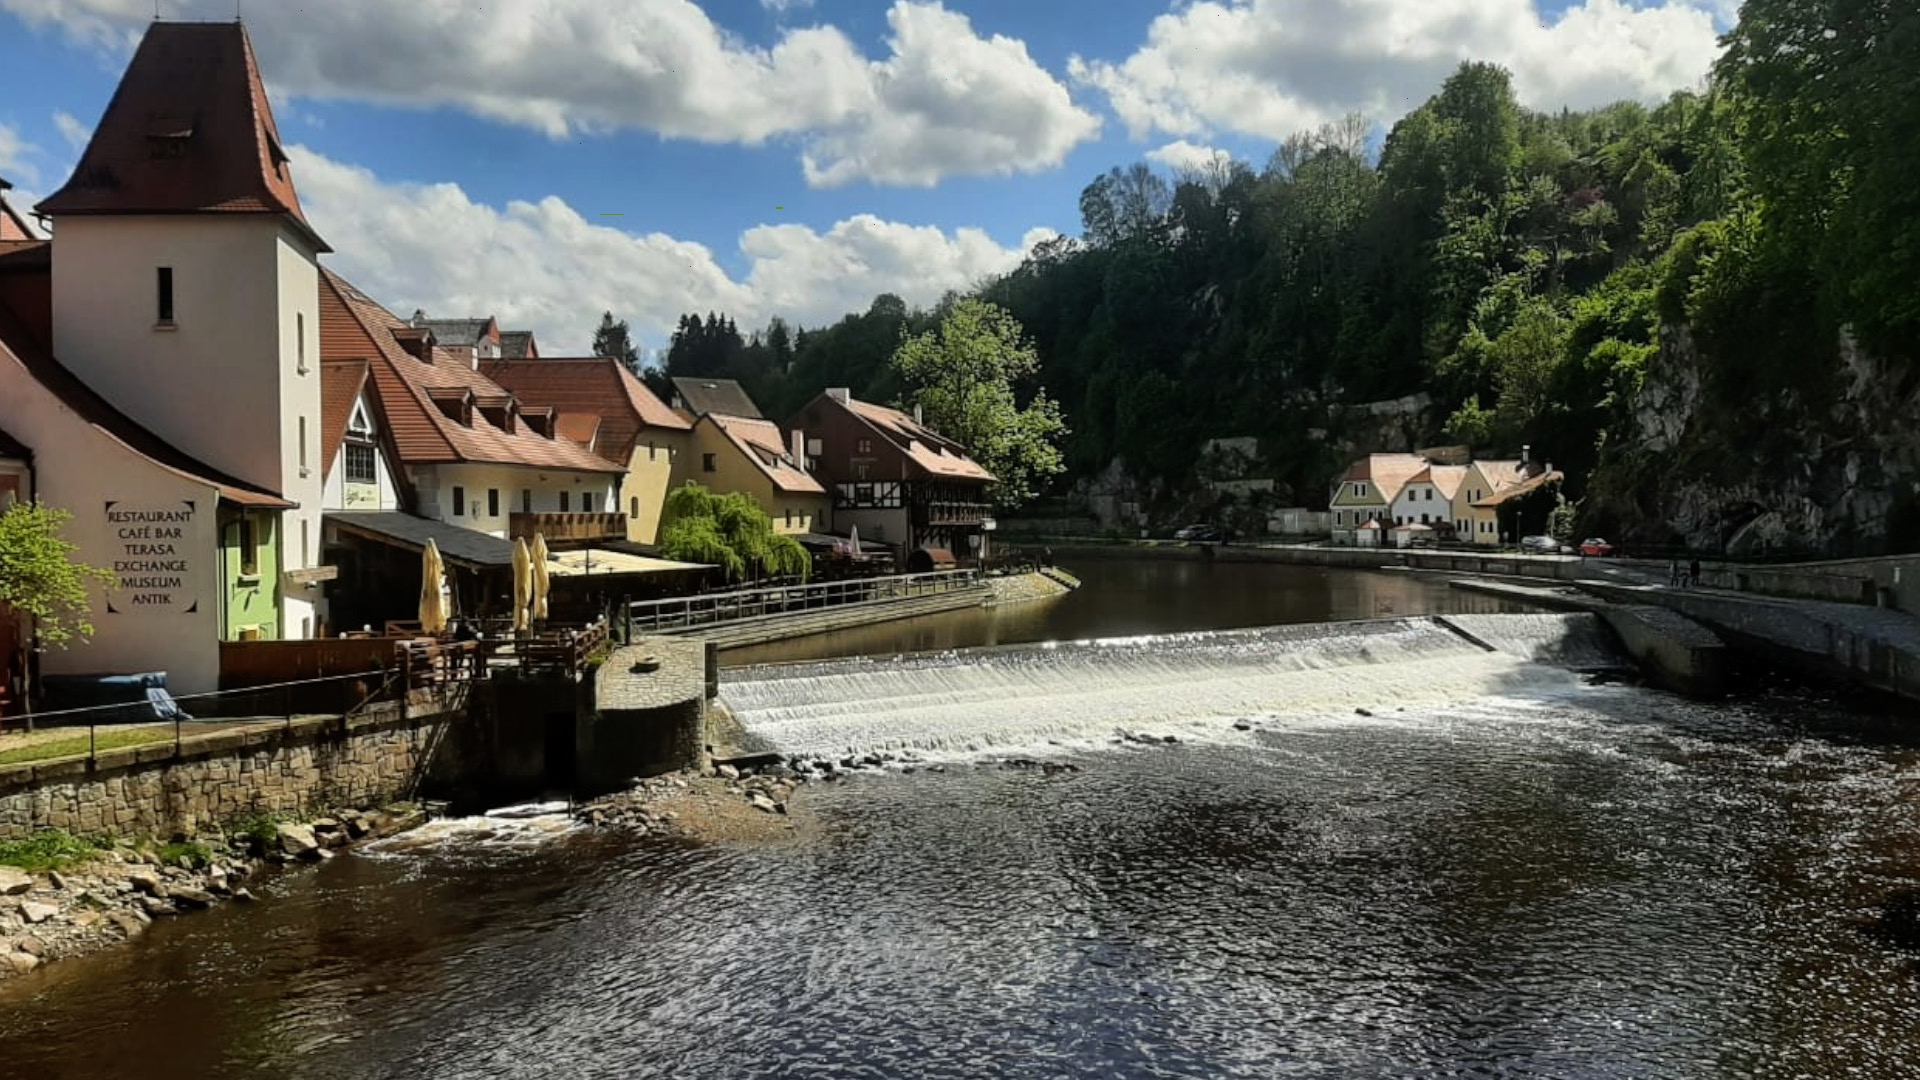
column 246, row 664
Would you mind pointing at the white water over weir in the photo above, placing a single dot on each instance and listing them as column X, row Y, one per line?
column 973, row 699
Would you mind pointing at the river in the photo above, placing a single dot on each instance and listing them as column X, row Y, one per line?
column 1491, row 868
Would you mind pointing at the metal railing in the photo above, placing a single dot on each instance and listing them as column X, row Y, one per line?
column 707, row 609
column 160, row 724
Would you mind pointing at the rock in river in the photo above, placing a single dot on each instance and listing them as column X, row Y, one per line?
column 14, row 882
column 298, row 841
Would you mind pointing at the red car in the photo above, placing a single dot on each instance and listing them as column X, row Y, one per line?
column 1595, row 546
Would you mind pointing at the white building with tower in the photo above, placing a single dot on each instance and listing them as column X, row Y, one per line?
column 160, row 363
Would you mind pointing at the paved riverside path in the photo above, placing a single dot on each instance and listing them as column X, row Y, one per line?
column 1876, row 647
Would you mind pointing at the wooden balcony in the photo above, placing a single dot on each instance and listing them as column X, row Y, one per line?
column 568, row 528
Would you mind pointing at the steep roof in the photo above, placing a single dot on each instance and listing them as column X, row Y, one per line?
column 189, row 130
column 932, row 451
column 12, row 225
column 354, row 327
column 518, row 345
column 1526, row 486
column 457, row 333
column 1502, row 473
column 1446, row 479
column 19, row 345
column 705, row 397
column 582, row 428
column 1387, row 472
column 760, row 441
column 599, row 385
column 340, row 386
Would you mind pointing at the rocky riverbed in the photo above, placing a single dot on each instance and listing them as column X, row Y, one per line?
column 115, row 895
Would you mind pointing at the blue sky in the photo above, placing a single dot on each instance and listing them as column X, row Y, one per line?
column 780, row 157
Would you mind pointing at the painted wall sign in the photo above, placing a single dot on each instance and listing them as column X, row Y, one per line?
column 151, row 557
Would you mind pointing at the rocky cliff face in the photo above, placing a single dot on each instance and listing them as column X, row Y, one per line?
column 1831, row 468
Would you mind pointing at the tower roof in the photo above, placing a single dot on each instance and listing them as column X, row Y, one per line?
column 188, row 131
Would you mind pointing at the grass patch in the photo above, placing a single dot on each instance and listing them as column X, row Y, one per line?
column 76, row 745
column 199, row 855
column 262, row 830
column 47, row 850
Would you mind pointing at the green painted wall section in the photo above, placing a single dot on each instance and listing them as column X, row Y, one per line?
column 249, row 600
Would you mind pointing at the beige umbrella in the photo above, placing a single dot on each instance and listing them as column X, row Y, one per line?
column 541, row 583
column 433, row 611
column 522, row 583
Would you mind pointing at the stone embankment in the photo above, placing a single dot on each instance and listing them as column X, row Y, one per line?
column 115, row 895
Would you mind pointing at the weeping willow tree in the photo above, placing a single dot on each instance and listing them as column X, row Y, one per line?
column 731, row 532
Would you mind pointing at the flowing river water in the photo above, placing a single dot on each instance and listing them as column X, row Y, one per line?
column 1372, row 850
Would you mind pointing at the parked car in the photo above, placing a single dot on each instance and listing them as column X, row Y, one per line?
column 1593, row 545
column 1539, row 545
column 1204, row 534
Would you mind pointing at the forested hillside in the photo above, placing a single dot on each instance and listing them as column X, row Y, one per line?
column 1706, row 312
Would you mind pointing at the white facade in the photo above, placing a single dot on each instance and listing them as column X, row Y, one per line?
column 354, row 493
column 233, row 378
column 156, row 528
column 482, row 497
column 1421, row 502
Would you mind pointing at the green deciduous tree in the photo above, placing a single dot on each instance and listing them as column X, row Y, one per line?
column 962, row 376
column 729, row 531
column 40, row 578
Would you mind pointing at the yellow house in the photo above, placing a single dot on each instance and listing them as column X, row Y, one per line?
column 1475, row 519
column 733, row 453
column 601, row 405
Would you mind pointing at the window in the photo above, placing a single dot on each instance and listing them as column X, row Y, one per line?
column 650, row 449
column 865, row 446
column 249, row 544
column 306, row 550
column 303, row 446
column 493, row 502
column 164, row 279
column 789, row 517
column 526, row 501
column 633, row 507
column 707, row 464
column 300, row 342
column 459, row 501
column 564, row 500
column 586, row 502
column 360, row 464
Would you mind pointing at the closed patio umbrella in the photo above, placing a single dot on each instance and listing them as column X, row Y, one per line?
column 541, row 582
column 522, row 583
column 433, row 609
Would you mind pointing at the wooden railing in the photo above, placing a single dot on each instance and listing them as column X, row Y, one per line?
column 567, row 527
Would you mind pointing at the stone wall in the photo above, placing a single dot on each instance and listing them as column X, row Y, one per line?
column 319, row 762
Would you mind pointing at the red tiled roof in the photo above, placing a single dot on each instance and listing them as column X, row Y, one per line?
column 600, row 385
column 760, row 441
column 1387, row 472
column 13, row 227
column 932, row 451
column 340, row 386
column 354, row 327
column 1525, row 487
column 581, row 428
column 189, row 130
column 21, row 346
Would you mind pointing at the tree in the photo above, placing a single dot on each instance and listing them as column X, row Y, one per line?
column 612, row 339
column 729, row 531
column 41, row 581
column 962, row 377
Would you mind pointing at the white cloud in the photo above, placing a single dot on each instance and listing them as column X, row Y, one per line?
column 1271, row 68
column 14, row 151
column 1183, row 156
column 72, row 130
column 785, row 5
column 391, row 240
column 945, row 101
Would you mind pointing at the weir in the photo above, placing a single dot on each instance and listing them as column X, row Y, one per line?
column 973, row 699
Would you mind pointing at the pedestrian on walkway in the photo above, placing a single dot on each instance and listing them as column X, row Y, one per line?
column 1673, row 572
column 1693, row 574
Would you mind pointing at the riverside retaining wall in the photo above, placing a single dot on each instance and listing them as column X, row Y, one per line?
column 311, row 763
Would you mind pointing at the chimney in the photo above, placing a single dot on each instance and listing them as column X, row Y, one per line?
column 419, row 317
column 797, row 444
column 840, row 394
column 916, row 415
